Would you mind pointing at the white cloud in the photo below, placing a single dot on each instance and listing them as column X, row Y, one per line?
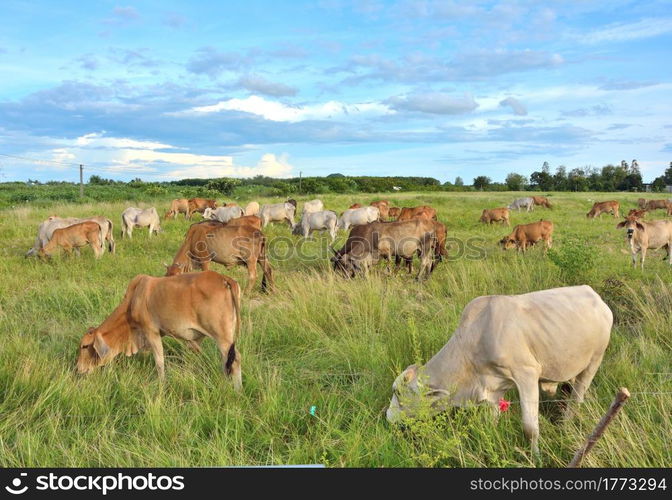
column 115, row 155
column 279, row 112
column 622, row 32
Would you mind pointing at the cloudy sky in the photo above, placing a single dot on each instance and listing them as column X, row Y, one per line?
column 172, row 89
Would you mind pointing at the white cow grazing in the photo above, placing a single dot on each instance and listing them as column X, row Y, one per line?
column 527, row 203
column 313, row 206
column 358, row 217
column 223, row 214
column 138, row 217
column 47, row 227
column 278, row 212
column 252, row 208
column 506, row 341
column 317, row 221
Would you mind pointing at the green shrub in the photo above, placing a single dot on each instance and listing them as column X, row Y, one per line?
column 575, row 259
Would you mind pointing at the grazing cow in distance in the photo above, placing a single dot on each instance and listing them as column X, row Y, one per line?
column 73, row 238
column 358, row 217
column 495, row 215
column 527, row 203
column 367, row 244
column 137, row 217
column 394, row 212
column 647, row 235
column 47, row 227
column 421, row 212
column 641, row 202
column 188, row 307
column 317, row 221
column 659, row 205
column 229, row 245
column 526, row 235
column 223, row 214
column 199, row 205
column 383, row 207
column 542, row 201
column 179, row 206
column 252, row 208
column 604, row 207
column 278, row 212
column 312, row 206
column 528, row 342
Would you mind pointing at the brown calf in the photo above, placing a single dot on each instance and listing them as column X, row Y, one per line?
column 75, row 237
column 421, row 212
column 179, row 206
column 199, row 205
column 542, row 201
column 383, row 207
column 495, row 215
column 526, row 235
column 604, row 207
column 189, row 307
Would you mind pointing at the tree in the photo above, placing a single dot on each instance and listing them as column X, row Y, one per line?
column 668, row 174
column 659, row 184
column 560, row 182
column 482, row 182
column 224, row 185
column 515, row 182
column 576, row 180
column 459, row 182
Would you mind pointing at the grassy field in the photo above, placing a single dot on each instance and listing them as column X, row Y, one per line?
column 319, row 341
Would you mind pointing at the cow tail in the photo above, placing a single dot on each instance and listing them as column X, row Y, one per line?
column 235, row 300
column 267, row 272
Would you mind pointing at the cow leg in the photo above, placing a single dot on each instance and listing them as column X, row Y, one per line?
column 251, row 273
column 643, row 252
column 528, row 390
column 580, row 385
column 155, row 344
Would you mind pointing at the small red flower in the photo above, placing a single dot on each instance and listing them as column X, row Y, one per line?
column 504, row 404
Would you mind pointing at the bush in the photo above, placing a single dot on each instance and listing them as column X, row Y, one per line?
column 575, row 260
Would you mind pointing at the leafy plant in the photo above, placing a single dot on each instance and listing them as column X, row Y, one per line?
column 575, row 259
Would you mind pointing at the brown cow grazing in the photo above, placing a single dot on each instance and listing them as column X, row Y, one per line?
column 421, row 212
column 658, row 205
column 641, row 202
column 356, row 205
column 542, row 201
column 394, row 212
column 229, row 245
column 495, row 215
column 604, row 207
column 440, row 251
column 383, row 207
column 639, row 213
column 179, row 206
column 643, row 236
column 199, row 205
column 369, row 243
column 75, row 237
column 526, row 235
column 189, row 307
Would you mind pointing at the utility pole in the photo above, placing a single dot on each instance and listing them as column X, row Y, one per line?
column 81, row 180
column 300, row 181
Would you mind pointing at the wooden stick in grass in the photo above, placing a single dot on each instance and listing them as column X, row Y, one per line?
column 621, row 397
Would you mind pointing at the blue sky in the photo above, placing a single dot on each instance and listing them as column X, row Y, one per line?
column 166, row 89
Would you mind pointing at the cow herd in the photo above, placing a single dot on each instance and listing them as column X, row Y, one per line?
column 531, row 342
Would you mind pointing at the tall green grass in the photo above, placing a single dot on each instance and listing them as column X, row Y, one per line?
column 317, row 341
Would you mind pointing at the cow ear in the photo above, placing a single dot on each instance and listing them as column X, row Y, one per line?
column 640, row 226
column 100, row 346
column 620, row 225
column 410, row 373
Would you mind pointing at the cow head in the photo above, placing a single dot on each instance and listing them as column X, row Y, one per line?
column 630, row 224
column 174, row 269
column 507, row 243
column 93, row 351
column 484, row 218
column 208, row 213
column 413, row 396
column 343, row 263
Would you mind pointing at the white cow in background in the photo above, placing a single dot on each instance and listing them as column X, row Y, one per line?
column 278, row 212
column 317, row 221
column 504, row 341
column 223, row 214
column 137, row 217
column 527, row 203
column 358, row 217
column 252, row 208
